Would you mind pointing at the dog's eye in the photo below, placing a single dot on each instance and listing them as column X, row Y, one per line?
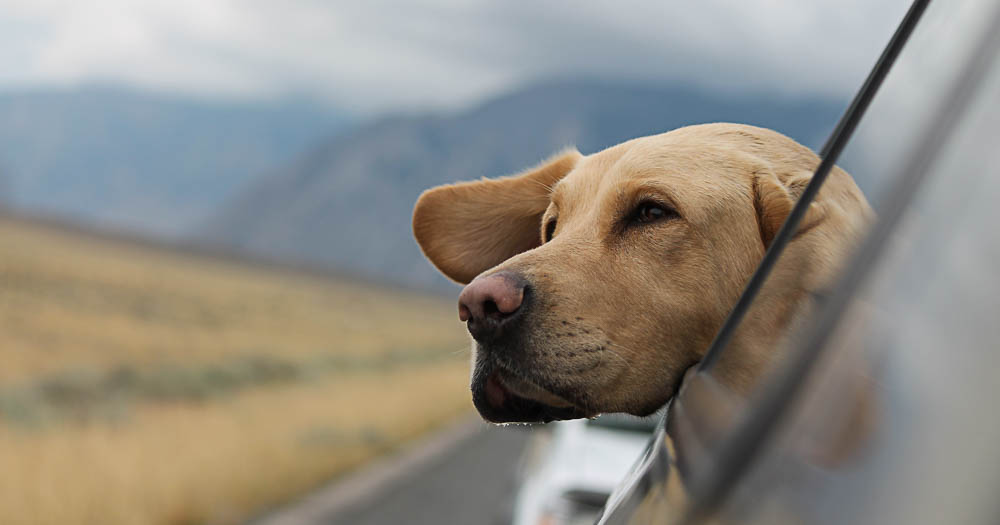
column 550, row 230
column 650, row 211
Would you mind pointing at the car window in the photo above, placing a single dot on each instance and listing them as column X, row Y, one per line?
column 890, row 367
column 893, row 428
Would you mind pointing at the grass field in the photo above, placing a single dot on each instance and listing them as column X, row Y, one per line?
column 143, row 386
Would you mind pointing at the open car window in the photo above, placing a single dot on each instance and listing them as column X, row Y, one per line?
column 888, row 425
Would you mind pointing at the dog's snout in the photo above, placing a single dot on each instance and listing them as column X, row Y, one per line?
column 490, row 302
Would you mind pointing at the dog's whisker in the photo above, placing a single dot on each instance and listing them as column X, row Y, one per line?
column 461, row 350
column 619, row 356
column 546, row 187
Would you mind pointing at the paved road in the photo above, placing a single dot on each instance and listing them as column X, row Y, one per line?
column 465, row 475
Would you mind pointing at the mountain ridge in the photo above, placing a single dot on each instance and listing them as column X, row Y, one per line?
column 143, row 161
column 347, row 202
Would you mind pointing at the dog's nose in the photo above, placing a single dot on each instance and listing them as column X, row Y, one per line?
column 490, row 302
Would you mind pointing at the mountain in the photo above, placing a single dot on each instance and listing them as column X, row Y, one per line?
column 4, row 189
column 347, row 203
column 143, row 162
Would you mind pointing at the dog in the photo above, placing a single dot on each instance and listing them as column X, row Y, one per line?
column 595, row 281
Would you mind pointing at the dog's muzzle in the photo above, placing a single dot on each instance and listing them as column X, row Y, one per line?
column 498, row 402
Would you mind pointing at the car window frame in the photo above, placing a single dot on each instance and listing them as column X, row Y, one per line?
column 743, row 443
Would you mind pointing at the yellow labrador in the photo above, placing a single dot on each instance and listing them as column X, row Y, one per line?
column 595, row 281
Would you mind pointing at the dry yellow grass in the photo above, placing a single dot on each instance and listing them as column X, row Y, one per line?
column 71, row 303
column 215, row 463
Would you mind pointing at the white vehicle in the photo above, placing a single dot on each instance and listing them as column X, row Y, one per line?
column 571, row 467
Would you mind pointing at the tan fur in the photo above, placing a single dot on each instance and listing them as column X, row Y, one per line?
column 621, row 313
column 487, row 221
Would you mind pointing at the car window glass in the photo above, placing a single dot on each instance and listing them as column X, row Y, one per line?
column 886, row 134
column 931, row 303
column 893, row 428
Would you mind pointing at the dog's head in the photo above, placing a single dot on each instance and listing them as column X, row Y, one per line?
column 595, row 281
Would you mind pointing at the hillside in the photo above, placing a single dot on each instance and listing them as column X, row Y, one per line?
column 139, row 161
column 347, row 202
column 142, row 385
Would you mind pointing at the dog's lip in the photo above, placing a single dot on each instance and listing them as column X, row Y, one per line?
column 498, row 403
column 523, row 388
column 496, row 392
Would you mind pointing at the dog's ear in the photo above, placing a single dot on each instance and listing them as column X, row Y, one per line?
column 774, row 196
column 469, row 227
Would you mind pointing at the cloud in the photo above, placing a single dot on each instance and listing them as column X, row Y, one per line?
column 379, row 55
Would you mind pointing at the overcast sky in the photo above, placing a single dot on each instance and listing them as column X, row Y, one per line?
column 377, row 55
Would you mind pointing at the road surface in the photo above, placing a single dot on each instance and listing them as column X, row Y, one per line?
column 463, row 475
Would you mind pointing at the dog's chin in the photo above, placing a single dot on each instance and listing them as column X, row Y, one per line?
column 502, row 397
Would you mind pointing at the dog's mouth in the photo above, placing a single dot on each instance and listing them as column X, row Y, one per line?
column 504, row 397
